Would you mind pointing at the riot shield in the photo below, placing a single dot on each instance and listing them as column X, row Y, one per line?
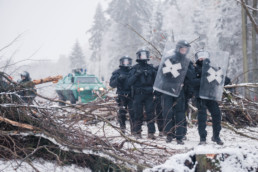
column 171, row 73
column 214, row 71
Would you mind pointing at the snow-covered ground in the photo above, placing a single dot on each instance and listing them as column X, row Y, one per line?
column 41, row 165
column 230, row 138
column 242, row 150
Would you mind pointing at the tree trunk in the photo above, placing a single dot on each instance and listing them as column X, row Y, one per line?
column 254, row 56
column 207, row 162
column 244, row 47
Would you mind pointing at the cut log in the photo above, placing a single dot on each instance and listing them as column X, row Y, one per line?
column 53, row 79
column 17, row 124
column 207, row 162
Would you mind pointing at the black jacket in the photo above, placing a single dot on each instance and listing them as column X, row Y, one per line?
column 142, row 75
column 119, row 80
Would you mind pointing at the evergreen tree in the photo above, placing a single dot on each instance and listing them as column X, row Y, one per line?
column 77, row 58
column 97, row 32
column 125, row 14
column 158, row 36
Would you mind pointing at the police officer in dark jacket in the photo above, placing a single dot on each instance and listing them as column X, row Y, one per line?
column 204, row 104
column 3, row 84
column 174, row 107
column 119, row 80
column 28, row 92
column 141, row 79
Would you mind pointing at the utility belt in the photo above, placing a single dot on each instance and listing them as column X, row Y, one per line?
column 146, row 90
column 125, row 94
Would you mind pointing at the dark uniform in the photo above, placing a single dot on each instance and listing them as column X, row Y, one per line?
column 158, row 112
column 141, row 79
column 189, row 92
column 119, row 80
column 174, row 107
column 203, row 105
column 28, row 92
column 3, row 85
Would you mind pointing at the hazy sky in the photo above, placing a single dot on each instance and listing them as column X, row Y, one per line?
column 49, row 26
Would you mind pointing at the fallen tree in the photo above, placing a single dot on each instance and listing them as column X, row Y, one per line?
column 65, row 134
column 55, row 133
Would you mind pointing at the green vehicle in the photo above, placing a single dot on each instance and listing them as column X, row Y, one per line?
column 79, row 87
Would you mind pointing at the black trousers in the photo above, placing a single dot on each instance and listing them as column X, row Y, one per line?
column 158, row 113
column 174, row 115
column 214, row 109
column 140, row 101
column 125, row 104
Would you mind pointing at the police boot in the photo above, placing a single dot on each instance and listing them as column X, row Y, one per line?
column 151, row 136
column 137, row 135
column 161, row 134
column 202, row 141
column 180, row 142
column 169, row 139
column 217, row 140
column 123, row 130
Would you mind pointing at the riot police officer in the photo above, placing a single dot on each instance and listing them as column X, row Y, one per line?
column 174, row 107
column 119, row 80
column 28, row 92
column 3, row 84
column 204, row 104
column 141, row 79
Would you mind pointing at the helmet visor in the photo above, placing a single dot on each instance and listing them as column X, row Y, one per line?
column 184, row 50
column 143, row 56
column 127, row 62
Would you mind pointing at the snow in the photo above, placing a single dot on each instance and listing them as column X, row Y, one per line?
column 241, row 158
column 41, row 165
column 242, row 151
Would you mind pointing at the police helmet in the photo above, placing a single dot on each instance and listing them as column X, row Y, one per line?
column 142, row 55
column 125, row 61
column 26, row 76
column 182, row 44
column 202, row 54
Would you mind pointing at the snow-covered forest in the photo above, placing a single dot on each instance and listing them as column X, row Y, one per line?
column 125, row 26
column 44, row 136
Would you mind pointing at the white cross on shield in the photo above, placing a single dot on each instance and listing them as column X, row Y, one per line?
column 215, row 75
column 172, row 68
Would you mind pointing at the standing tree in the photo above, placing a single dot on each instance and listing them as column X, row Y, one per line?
column 244, row 44
column 125, row 15
column 254, row 51
column 96, row 38
column 158, row 37
column 77, row 58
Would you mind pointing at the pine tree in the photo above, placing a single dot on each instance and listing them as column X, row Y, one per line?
column 158, row 37
column 77, row 58
column 123, row 15
column 97, row 32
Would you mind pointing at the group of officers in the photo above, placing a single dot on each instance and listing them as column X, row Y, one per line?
column 142, row 92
